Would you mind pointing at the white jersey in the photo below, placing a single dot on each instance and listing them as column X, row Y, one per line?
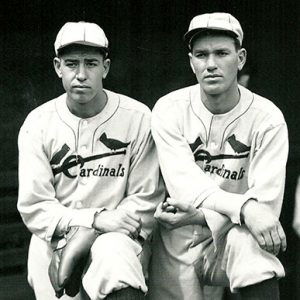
column 69, row 167
column 243, row 151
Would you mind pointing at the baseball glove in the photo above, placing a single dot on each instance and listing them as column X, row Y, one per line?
column 68, row 262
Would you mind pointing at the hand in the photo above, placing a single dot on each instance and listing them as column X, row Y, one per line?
column 118, row 220
column 167, row 207
column 173, row 214
column 264, row 226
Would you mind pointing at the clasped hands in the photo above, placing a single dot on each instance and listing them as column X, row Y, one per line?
column 173, row 214
column 118, row 220
column 262, row 224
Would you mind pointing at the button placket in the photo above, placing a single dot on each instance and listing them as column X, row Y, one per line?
column 216, row 133
column 83, row 147
column 83, row 137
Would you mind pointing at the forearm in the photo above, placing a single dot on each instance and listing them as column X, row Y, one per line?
column 77, row 217
column 226, row 203
column 49, row 219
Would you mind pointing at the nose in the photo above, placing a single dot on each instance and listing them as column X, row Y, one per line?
column 211, row 63
column 81, row 73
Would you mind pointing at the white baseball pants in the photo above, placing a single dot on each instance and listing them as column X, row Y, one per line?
column 114, row 263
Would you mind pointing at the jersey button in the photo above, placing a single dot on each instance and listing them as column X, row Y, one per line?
column 79, row 204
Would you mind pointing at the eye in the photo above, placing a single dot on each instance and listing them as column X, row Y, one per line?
column 91, row 64
column 71, row 65
column 200, row 54
column 222, row 53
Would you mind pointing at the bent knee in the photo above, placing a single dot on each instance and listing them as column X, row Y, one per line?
column 115, row 244
column 239, row 236
column 110, row 242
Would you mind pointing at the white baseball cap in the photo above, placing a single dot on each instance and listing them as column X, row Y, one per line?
column 214, row 21
column 83, row 33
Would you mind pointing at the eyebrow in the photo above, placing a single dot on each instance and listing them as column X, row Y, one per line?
column 92, row 59
column 85, row 59
column 205, row 50
column 221, row 48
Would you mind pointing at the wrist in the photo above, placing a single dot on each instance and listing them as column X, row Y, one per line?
column 245, row 207
column 227, row 203
column 97, row 221
column 200, row 218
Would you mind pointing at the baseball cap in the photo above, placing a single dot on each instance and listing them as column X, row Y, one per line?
column 214, row 21
column 83, row 33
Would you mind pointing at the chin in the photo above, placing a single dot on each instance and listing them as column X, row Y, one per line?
column 80, row 99
column 213, row 90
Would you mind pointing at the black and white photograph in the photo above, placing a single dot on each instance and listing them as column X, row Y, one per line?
column 150, row 150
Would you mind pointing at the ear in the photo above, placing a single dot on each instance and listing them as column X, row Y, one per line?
column 57, row 65
column 191, row 62
column 242, row 57
column 106, row 65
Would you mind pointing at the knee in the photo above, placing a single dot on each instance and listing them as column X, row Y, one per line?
column 240, row 236
column 109, row 243
column 245, row 262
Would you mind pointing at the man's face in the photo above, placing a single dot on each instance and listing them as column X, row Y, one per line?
column 215, row 62
column 82, row 70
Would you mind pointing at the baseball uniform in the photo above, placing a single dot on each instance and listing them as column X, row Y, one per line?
column 244, row 152
column 70, row 168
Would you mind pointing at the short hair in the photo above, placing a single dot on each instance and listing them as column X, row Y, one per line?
column 213, row 32
column 65, row 50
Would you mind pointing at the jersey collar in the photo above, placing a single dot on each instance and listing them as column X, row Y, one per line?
column 110, row 108
column 206, row 116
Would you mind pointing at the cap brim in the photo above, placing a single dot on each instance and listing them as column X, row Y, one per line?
column 83, row 43
column 190, row 35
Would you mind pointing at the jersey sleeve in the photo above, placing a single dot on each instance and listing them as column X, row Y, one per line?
column 40, row 210
column 145, row 187
column 266, row 179
column 184, row 179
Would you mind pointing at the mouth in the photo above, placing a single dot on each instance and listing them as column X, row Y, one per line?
column 80, row 87
column 212, row 76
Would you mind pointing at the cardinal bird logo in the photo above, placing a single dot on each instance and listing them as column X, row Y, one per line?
column 60, row 155
column 112, row 144
column 236, row 145
column 196, row 144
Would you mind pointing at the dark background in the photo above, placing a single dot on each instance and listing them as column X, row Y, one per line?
column 149, row 59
